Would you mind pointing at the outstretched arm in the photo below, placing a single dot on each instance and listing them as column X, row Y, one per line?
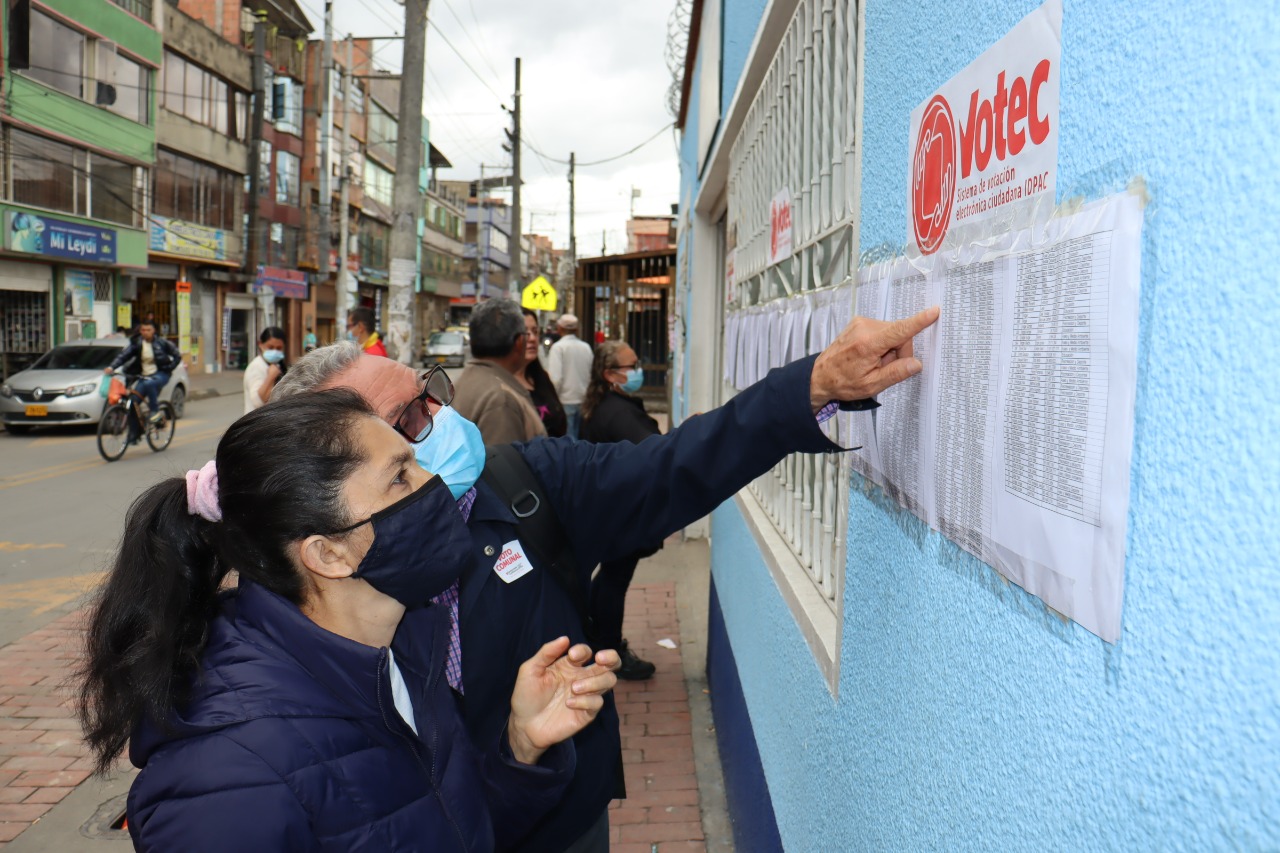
column 614, row 499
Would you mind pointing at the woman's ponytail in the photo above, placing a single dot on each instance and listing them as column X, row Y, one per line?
column 150, row 620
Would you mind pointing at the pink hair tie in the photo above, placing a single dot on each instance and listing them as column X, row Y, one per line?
column 202, row 492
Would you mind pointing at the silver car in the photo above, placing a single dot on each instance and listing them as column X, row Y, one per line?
column 448, row 348
column 64, row 387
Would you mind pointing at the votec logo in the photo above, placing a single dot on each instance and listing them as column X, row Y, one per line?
column 933, row 175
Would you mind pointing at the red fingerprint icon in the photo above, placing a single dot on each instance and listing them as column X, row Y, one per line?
column 933, row 175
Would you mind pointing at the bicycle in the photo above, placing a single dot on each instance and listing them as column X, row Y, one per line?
column 124, row 423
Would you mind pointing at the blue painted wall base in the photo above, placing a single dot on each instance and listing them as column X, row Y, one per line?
column 747, row 791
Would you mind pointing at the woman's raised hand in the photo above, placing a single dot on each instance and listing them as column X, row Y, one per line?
column 558, row 692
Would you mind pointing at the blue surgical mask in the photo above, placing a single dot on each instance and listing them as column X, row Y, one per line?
column 273, row 356
column 426, row 523
column 635, row 378
column 454, row 450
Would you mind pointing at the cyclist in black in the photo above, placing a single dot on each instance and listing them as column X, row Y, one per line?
column 153, row 358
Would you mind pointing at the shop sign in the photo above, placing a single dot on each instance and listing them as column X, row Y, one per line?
column 353, row 262
column 988, row 138
column 176, row 237
column 57, row 238
column 77, row 289
column 780, row 210
column 291, row 284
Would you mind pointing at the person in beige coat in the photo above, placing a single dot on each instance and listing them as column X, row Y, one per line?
column 487, row 392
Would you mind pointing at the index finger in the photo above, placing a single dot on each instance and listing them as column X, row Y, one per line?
column 894, row 334
column 550, row 652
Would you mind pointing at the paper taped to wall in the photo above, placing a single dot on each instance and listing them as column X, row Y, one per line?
column 1015, row 441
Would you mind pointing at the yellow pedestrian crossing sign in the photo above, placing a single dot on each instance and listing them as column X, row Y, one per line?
column 538, row 295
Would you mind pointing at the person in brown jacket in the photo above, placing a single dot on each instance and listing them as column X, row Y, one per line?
column 487, row 392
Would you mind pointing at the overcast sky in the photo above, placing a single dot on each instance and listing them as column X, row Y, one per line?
column 594, row 82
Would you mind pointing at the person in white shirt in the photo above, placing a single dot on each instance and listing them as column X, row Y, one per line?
column 263, row 372
column 569, row 364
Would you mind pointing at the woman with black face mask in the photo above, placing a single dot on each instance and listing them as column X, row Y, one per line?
column 309, row 707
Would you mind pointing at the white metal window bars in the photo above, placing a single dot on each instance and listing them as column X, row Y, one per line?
column 799, row 134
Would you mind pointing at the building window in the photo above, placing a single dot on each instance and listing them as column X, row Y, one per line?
column 287, row 172
column 123, row 86
column 193, row 191
column 264, row 168
column 382, row 134
column 378, row 183
column 282, row 249
column 57, row 54
column 62, row 59
column 285, row 105
column 138, row 8
column 793, row 139
column 375, row 243
column 204, row 97
column 56, row 176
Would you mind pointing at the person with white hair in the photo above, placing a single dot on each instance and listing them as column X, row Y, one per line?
column 569, row 364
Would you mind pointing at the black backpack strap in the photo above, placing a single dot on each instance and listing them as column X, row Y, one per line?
column 508, row 474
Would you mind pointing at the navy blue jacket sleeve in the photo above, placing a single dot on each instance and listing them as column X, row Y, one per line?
column 520, row 794
column 247, row 806
column 615, row 499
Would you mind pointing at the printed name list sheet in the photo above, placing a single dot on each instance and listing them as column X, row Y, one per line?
column 1015, row 441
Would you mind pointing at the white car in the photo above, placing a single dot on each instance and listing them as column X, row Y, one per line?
column 64, row 387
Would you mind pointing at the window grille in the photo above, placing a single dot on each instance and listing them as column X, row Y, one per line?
column 799, row 134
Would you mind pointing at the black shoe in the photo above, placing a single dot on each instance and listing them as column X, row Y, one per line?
column 633, row 668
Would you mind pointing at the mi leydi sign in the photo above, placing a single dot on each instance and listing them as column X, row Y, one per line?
column 57, row 238
column 988, row 138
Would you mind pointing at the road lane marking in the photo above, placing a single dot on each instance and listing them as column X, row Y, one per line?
column 28, row 546
column 41, row 596
column 76, row 466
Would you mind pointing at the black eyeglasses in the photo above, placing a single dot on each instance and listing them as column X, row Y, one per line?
column 414, row 420
column 632, row 366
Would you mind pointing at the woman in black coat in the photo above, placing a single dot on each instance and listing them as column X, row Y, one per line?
column 535, row 380
column 611, row 412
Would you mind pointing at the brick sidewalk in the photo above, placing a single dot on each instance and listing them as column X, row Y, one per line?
column 661, row 812
column 42, row 759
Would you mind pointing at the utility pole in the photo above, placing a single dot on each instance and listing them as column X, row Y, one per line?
column 253, row 249
column 345, row 290
column 573, row 242
column 407, row 198
column 326, row 140
column 517, row 251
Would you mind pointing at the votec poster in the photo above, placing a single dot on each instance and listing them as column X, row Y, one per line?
column 987, row 138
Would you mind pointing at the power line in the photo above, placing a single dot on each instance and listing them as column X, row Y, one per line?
column 480, row 51
column 626, row 153
column 439, row 32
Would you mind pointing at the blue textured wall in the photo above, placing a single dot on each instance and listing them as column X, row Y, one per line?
column 969, row 716
column 738, row 24
column 745, row 787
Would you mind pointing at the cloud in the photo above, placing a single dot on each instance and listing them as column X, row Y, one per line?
column 593, row 82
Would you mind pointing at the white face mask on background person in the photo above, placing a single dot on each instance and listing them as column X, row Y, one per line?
column 273, row 356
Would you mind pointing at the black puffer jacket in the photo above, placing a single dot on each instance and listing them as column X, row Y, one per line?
column 165, row 351
column 619, row 417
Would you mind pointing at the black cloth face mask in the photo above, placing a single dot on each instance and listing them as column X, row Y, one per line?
column 420, row 546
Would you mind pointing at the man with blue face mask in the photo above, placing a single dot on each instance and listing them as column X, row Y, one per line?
column 611, row 500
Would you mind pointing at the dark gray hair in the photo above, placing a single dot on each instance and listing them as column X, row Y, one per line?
column 495, row 325
column 316, row 368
